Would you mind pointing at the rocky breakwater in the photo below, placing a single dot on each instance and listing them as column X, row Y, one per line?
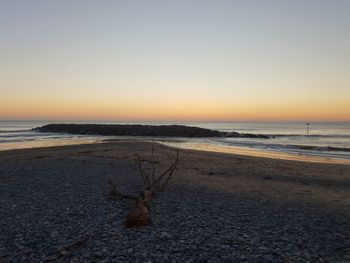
column 141, row 130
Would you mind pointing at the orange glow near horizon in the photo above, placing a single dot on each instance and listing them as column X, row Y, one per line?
column 173, row 112
column 175, row 61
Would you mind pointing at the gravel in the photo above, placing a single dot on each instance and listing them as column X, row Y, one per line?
column 54, row 209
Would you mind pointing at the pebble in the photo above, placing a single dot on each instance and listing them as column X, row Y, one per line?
column 165, row 235
column 59, row 203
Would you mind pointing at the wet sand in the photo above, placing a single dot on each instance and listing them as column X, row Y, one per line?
column 256, row 152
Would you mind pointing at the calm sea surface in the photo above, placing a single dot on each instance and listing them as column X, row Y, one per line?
column 325, row 141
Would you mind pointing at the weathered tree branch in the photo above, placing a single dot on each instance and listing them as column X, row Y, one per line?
column 115, row 192
column 168, row 171
column 140, row 216
column 153, row 165
column 142, row 172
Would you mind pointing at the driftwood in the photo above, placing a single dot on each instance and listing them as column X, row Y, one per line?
column 153, row 183
column 54, row 255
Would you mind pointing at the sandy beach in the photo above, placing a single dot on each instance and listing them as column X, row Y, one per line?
column 175, row 131
column 218, row 208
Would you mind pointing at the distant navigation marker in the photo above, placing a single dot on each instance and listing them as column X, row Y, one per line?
column 307, row 128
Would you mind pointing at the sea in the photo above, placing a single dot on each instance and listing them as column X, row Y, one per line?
column 317, row 142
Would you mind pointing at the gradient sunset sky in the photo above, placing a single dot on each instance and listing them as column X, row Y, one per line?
column 175, row 60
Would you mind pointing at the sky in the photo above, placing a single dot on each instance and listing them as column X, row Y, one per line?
column 182, row 60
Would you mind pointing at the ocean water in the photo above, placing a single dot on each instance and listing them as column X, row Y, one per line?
column 326, row 142
column 19, row 135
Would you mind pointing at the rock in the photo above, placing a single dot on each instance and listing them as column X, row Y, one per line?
column 164, row 235
column 192, row 222
column 262, row 248
column 141, row 130
column 131, row 130
column 225, row 246
column 268, row 258
column 53, row 234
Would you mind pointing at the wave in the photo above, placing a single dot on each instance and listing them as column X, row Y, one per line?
column 310, row 135
column 14, row 131
column 31, row 133
column 321, row 148
column 277, row 146
column 24, row 135
column 17, row 140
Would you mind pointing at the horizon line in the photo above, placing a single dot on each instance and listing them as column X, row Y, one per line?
column 172, row 121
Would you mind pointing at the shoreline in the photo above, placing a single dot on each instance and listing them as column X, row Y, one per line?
column 191, row 132
column 219, row 207
column 291, row 171
column 197, row 146
column 246, row 151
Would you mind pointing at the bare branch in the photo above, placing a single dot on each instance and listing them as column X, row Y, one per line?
column 115, row 192
column 141, row 216
column 142, row 172
column 153, row 167
column 169, row 171
column 162, row 188
column 54, row 255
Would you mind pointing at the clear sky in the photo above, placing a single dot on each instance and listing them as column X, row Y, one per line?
column 175, row 60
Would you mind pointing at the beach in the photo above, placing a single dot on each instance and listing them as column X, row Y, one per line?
column 175, row 131
column 218, row 207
